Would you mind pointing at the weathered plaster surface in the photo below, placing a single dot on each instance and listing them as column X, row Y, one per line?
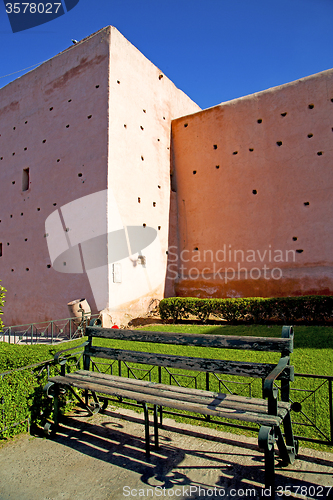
column 255, row 175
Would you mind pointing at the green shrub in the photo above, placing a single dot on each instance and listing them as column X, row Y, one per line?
column 23, row 374
column 311, row 309
column 2, row 302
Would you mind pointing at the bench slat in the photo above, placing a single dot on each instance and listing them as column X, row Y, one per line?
column 220, row 400
column 133, row 382
column 160, row 400
column 240, row 368
column 284, row 345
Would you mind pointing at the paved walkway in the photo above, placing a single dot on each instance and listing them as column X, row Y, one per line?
column 103, row 458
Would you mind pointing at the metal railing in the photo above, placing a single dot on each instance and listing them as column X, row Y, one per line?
column 53, row 331
column 314, row 423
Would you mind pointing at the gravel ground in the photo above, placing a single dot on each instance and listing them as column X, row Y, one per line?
column 103, row 458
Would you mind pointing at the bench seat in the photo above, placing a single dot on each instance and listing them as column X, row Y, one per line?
column 181, row 398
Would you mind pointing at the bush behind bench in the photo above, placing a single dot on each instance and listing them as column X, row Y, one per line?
column 310, row 309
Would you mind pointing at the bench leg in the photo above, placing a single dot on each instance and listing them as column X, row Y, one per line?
column 145, row 411
column 266, row 441
column 156, row 426
column 288, row 448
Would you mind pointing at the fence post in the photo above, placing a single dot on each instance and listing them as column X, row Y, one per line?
column 331, row 407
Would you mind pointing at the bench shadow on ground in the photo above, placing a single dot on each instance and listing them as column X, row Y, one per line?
column 111, row 442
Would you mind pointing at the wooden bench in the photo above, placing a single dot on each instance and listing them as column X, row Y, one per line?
column 270, row 412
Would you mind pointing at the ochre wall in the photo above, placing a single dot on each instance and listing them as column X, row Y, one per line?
column 255, row 175
column 44, row 126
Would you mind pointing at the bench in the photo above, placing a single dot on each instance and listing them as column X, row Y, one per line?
column 270, row 412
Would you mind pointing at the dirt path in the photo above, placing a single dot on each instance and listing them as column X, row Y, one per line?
column 103, row 458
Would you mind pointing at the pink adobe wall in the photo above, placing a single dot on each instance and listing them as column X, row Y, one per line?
column 255, row 175
column 44, row 126
column 143, row 101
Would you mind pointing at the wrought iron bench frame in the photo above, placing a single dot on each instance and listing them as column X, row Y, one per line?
column 268, row 412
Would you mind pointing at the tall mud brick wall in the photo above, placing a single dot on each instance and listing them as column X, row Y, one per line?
column 253, row 179
column 84, row 152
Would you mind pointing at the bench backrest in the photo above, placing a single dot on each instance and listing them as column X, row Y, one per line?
column 282, row 345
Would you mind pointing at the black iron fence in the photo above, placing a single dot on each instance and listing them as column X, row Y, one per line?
column 311, row 395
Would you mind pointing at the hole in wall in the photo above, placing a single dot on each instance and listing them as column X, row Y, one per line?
column 27, row 269
column 194, row 172
column 125, row 126
column 0, row 249
column 311, row 106
column 13, row 182
column 259, row 120
column 284, row 114
column 12, row 270
column 306, row 203
column 69, row 100
column 26, row 122
column 196, row 249
column 21, row 214
column 8, row 244
column 158, row 140
column 51, row 109
column 67, row 126
column 159, row 187
column 141, row 127
column 118, row 82
column 160, row 77
column 215, row 146
column 96, row 86
column 251, row 149
column 13, row 154
column 299, row 250
column 1, row 158
column 89, row 116
column 154, row 203
column 58, row 160
column 331, row 100
column 217, row 166
column 25, row 149
column 159, row 228
column 254, row 191
column 48, row 266
column 185, row 125
column 294, row 238
column 144, row 111
column 25, row 239
column 54, row 204
column 163, row 117
column 320, row 153
column 142, row 158
column 310, row 135
column 139, row 200
column 235, row 153
column 144, row 224
column 279, row 143
column 79, row 175
column 44, row 141
column 38, row 209
column 14, row 128
column 11, row 216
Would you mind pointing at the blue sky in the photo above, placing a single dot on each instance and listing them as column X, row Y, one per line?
column 214, row 50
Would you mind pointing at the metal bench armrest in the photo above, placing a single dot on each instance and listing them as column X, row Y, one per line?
column 60, row 354
column 269, row 381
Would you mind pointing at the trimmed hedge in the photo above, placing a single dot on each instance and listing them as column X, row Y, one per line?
column 310, row 309
column 23, row 375
column 2, row 302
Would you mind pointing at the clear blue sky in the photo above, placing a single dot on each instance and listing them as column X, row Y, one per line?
column 214, row 50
